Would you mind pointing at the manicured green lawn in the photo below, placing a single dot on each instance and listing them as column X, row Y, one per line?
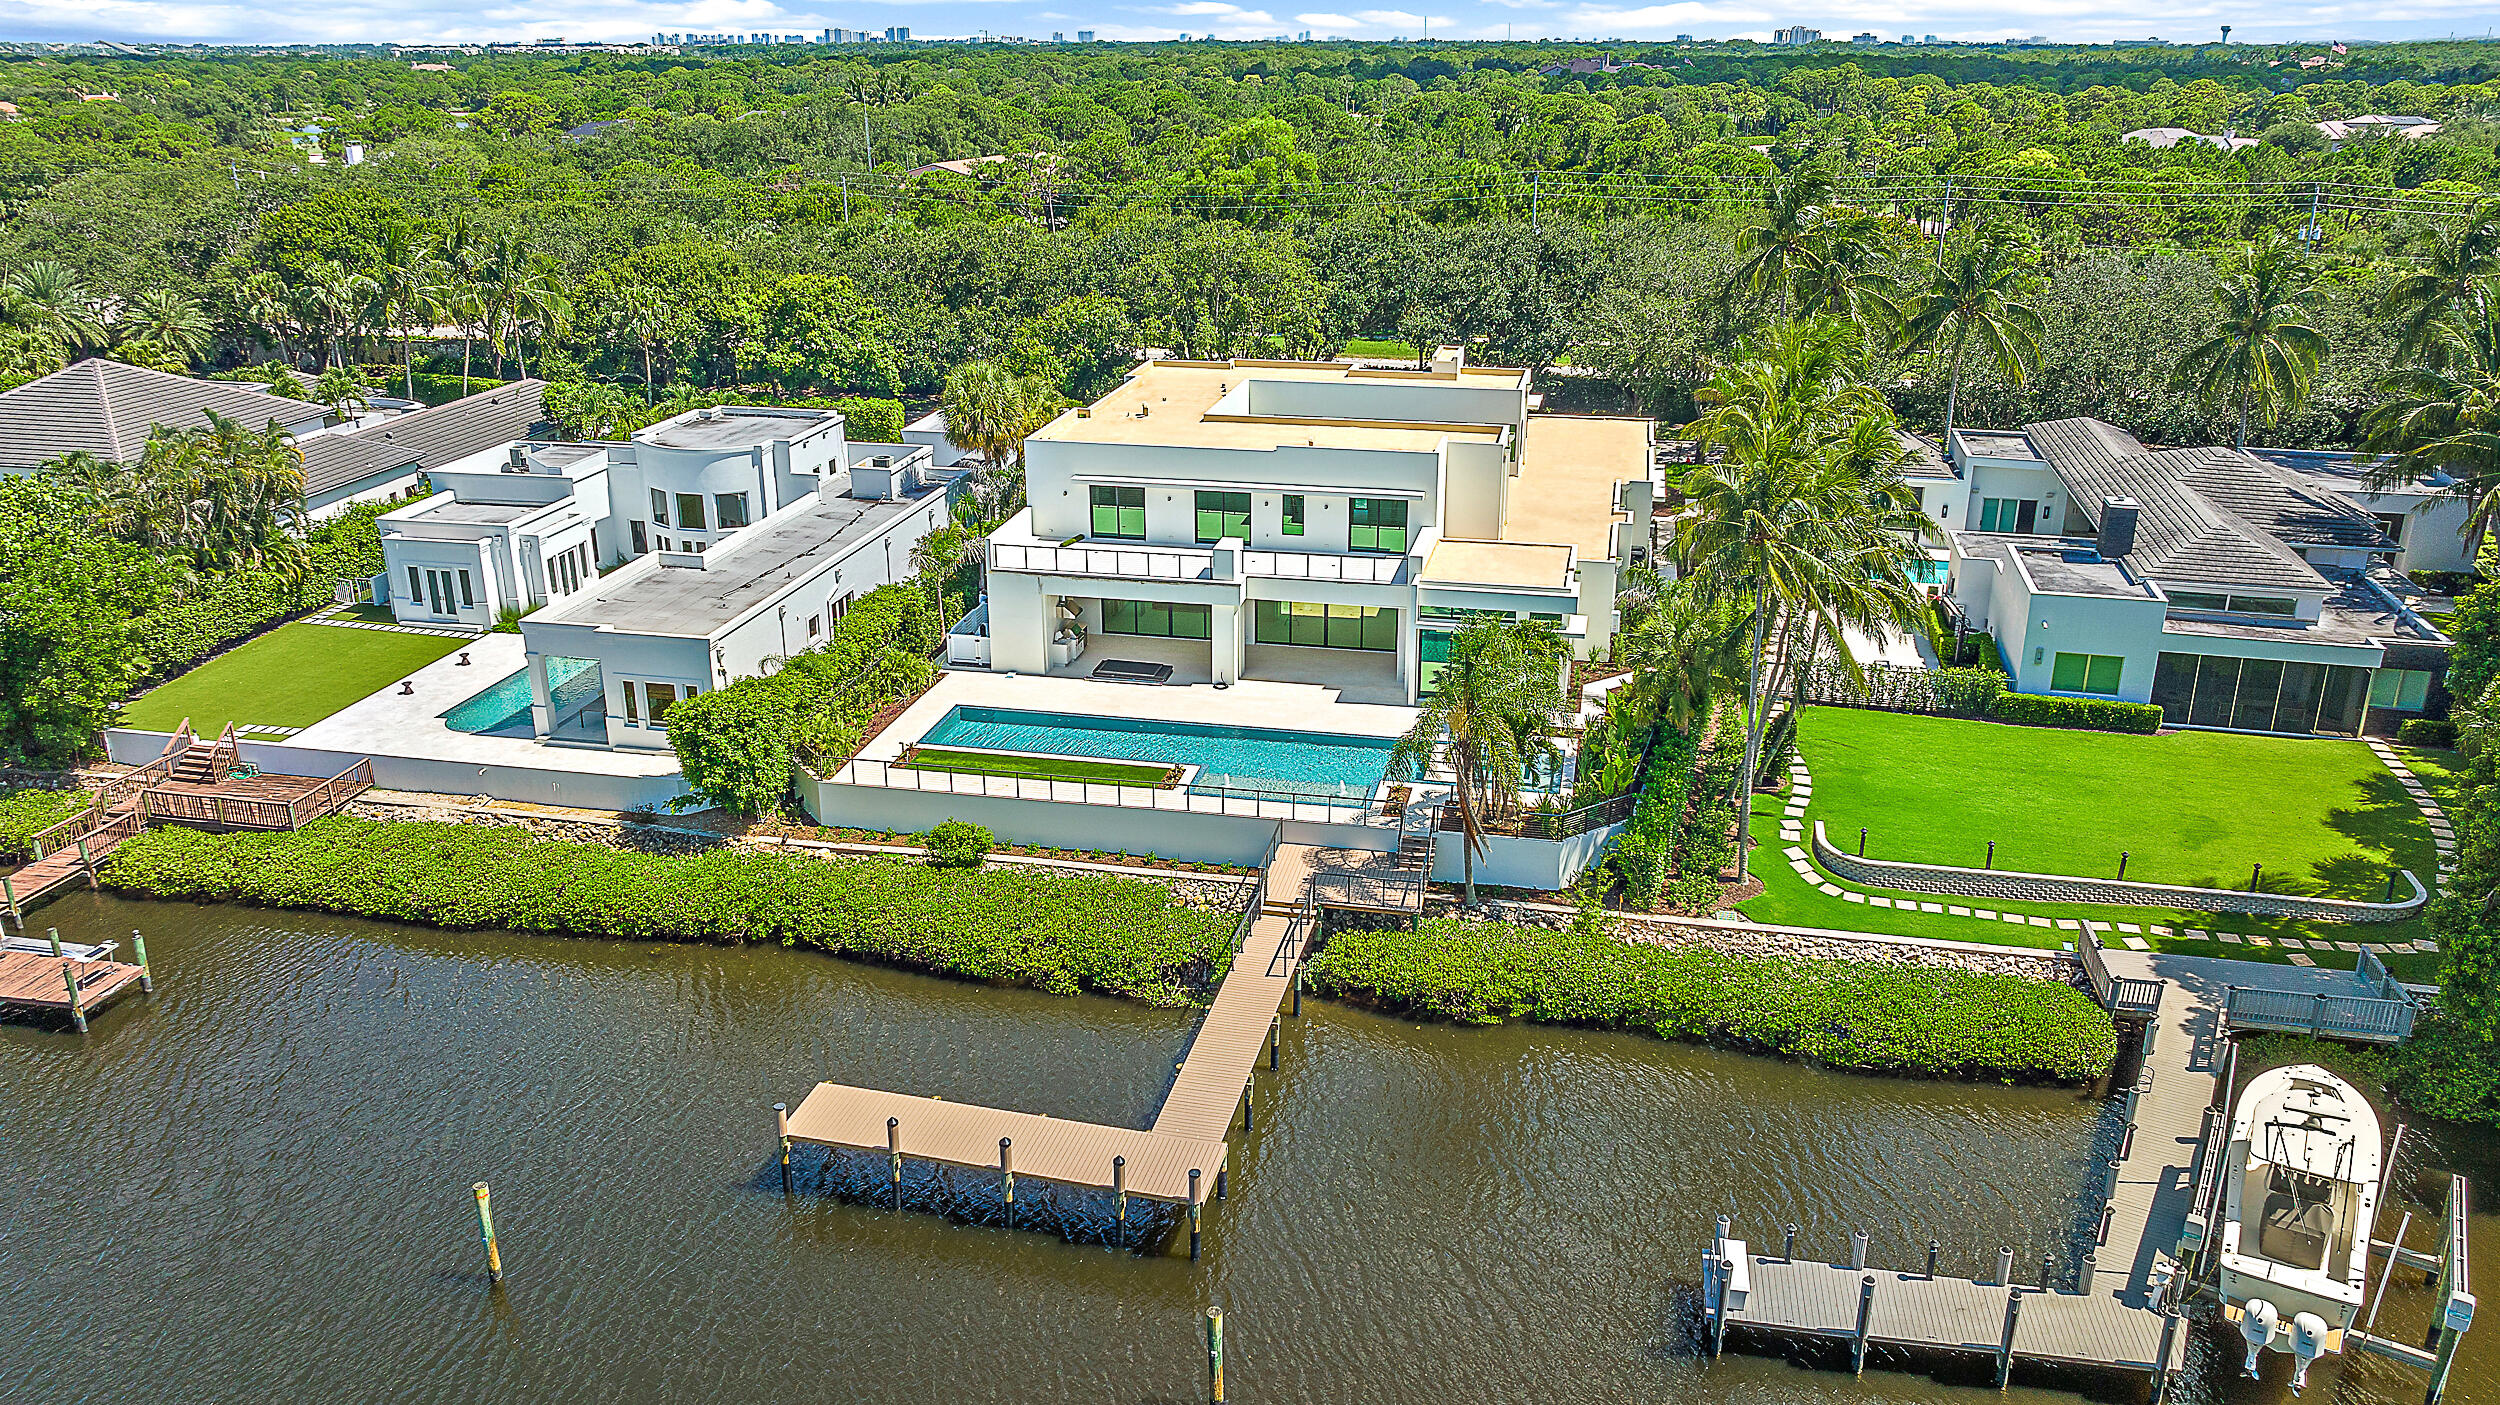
column 2193, row 808
column 293, row 676
column 1057, row 768
column 2440, row 770
column 1368, row 346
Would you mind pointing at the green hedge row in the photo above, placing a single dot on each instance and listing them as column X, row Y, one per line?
column 1645, row 850
column 1876, row 1016
column 26, row 811
column 2427, row 731
column 1053, row 931
column 2090, row 714
column 227, row 608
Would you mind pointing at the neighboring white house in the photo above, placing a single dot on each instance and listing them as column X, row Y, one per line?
column 2164, row 138
column 2231, row 590
column 1312, row 522
column 731, row 537
column 2376, row 125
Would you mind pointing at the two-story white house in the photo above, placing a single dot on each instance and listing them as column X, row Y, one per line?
column 2232, row 591
column 1310, row 522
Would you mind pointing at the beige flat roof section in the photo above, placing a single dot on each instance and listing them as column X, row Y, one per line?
column 1568, row 468
column 1177, row 396
column 1521, row 565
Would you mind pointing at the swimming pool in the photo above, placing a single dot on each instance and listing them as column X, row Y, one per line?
column 505, row 706
column 1227, row 758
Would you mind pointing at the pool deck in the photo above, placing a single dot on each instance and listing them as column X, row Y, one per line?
column 1291, row 707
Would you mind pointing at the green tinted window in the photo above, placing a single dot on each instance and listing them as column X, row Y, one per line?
column 2087, row 673
column 1155, row 618
column 1119, row 512
column 1324, row 626
column 1295, row 515
column 1377, row 524
column 1222, row 515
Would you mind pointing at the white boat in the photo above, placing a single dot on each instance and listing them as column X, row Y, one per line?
column 2301, row 1183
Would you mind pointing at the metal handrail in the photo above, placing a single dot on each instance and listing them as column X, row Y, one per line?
column 1141, row 561
column 2318, row 1014
column 1231, row 801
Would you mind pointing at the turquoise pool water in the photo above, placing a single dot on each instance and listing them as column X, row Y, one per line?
column 505, row 706
column 1228, row 758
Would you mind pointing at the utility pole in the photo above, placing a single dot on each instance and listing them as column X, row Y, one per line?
column 1536, row 194
column 1943, row 221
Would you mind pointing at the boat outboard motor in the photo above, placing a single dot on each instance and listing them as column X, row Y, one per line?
column 2308, row 1343
column 2258, row 1322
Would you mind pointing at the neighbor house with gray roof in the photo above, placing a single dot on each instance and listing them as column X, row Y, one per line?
column 109, row 408
column 2233, row 590
column 385, row 458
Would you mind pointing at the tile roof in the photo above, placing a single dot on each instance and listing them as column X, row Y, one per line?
column 1925, row 459
column 428, row 438
column 2215, row 515
column 107, row 408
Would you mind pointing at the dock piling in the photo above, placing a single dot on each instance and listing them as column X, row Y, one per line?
column 894, row 1151
column 1275, row 1038
column 1866, row 1315
column 1857, row 1248
column 1193, row 1214
column 1932, row 1247
column 1119, row 1195
column 8, row 893
column 1215, row 1355
column 88, row 864
column 1249, row 1097
column 781, row 1129
column 54, row 934
column 1007, row 1175
column 1297, row 992
column 139, row 947
column 2013, row 1314
column 1788, row 1242
column 2048, row 1264
column 69, row 977
column 486, row 1232
column 2084, row 1274
column 2005, row 1266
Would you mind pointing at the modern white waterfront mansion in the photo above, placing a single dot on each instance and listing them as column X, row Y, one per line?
column 2253, row 590
column 691, row 554
column 1309, row 522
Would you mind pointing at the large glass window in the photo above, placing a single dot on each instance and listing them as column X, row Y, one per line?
column 2008, row 514
column 1324, row 626
column 1377, row 524
column 1432, row 653
column 2087, row 673
column 1119, row 512
column 2404, row 689
column 2261, row 683
column 2259, row 695
column 659, row 507
column 2234, row 604
column 1296, row 515
column 1155, row 618
column 1222, row 515
column 690, row 511
column 732, row 508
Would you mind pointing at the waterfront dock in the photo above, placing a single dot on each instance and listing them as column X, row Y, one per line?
column 64, row 985
column 2118, row 1308
column 1182, row 1158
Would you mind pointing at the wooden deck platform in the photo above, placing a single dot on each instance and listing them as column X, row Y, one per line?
column 2086, row 1328
column 1189, row 1132
column 31, row 981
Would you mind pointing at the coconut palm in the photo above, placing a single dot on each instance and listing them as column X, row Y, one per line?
column 1681, row 651
column 990, row 411
column 1977, row 293
column 1781, row 523
column 1783, row 242
column 342, row 389
column 411, row 286
column 260, row 303
column 2449, row 276
column 1494, row 707
column 2262, row 355
column 334, row 299
column 2443, row 417
column 166, row 320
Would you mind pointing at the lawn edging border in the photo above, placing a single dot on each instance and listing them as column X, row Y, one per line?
column 2006, row 885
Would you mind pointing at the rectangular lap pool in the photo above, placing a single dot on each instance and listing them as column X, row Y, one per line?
column 1228, row 758
column 504, row 708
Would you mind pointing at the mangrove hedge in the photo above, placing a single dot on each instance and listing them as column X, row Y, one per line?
column 1058, row 932
column 1876, row 1016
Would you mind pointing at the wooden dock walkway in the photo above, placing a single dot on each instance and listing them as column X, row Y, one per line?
column 1189, row 1134
column 40, row 982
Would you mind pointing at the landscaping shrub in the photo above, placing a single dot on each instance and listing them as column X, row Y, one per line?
column 1694, row 893
column 1968, row 692
column 1059, row 932
column 959, row 844
column 2090, row 714
column 1646, row 849
column 2427, row 731
column 1964, row 692
column 1779, row 747
column 1877, row 1016
column 26, row 811
column 228, row 608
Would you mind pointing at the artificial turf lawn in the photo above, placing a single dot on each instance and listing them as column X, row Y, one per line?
column 982, row 763
column 2191, row 808
column 293, row 676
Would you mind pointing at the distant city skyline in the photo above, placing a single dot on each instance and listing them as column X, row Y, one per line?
column 431, row 21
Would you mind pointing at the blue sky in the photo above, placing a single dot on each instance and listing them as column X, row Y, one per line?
column 337, row 21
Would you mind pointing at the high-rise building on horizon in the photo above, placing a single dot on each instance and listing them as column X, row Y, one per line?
column 1797, row 34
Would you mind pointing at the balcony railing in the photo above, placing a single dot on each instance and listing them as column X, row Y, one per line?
column 1171, row 563
column 1236, row 803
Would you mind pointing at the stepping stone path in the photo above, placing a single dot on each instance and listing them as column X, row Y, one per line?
column 2443, row 834
column 325, row 617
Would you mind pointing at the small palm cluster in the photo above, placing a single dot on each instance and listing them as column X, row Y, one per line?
column 2442, row 414
column 47, row 317
column 1491, row 720
column 222, row 497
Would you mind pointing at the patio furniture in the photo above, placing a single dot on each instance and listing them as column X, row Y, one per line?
column 1132, row 671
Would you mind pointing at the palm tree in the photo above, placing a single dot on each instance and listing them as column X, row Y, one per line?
column 463, row 299
column 1681, row 651
column 411, row 287
column 260, row 303
column 1784, row 241
column 334, row 298
column 2444, row 416
column 1977, row 292
column 991, row 410
column 2450, row 275
column 2262, row 350
column 165, row 319
column 1844, row 278
column 342, row 389
column 1781, row 523
column 1493, row 709
column 46, row 296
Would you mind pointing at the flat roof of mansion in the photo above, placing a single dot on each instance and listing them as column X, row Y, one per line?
column 1526, row 565
column 742, row 571
column 735, row 427
column 1175, row 397
column 1568, row 468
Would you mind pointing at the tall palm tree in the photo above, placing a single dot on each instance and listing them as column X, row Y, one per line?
column 1681, row 651
column 260, row 303
column 334, row 298
column 1977, row 292
column 991, row 411
column 2444, row 416
column 1493, row 709
column 2262, row 353
column 1845, row 277
column 1780, row 523
column 1783, row 242
column 463, row 300
column 2450, row 275
column 411, row 286
column 47, row 296
column 167, row 320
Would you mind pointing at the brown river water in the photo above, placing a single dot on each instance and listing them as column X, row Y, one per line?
column 253, row 1186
